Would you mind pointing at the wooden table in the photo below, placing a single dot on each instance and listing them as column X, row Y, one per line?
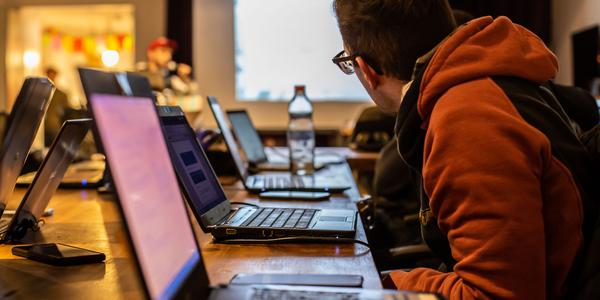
column 89, row 220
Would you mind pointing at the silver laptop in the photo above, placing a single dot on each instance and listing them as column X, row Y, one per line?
column 46, row 181
column 167, row 254
column 274, row 181
column 214, row 211
column 22, row 126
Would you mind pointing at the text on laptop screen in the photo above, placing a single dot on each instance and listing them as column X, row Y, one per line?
column 148, row 191
column 247, row 135
column 190, row 160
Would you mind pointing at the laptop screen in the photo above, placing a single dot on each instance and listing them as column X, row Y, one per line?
column 97, row 81
column 23, row 124
column 199, row 180
column 247, row 135
column 148, row 192
column 228, row 137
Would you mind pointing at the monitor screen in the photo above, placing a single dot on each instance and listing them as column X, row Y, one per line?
column 247, row 136
column 586, row 56
column 290, row 43
column 198, row 178
column 148, row 191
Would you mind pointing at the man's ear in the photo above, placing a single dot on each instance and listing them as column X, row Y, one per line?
column 370, row 76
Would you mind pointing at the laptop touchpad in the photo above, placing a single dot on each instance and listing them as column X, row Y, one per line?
column 332, row 219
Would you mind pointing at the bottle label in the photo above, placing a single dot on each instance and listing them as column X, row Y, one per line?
column 302, row 151
column 301, row 135
column 294, row 116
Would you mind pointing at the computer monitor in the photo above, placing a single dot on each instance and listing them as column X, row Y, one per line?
column 22, row 126
column 150, row 199
column 586, row 53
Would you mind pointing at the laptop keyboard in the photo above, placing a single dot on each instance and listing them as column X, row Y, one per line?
column 279, row 182
column 269, row 294
column 280, row 218
column 273, row 294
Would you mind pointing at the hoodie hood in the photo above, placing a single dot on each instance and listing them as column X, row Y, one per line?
column 485, row 47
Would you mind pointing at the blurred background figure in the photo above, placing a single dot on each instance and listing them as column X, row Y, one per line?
column 58, row 111
column 165, row 75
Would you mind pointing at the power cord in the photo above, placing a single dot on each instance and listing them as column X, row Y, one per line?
column 299, row 239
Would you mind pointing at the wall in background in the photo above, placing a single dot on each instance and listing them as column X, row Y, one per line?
column 179, row 28
column 3, row 31
column 535, row 15
column 214, row 70
column 570, row 16
column 150, row 23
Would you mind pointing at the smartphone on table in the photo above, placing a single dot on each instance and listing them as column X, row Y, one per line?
column 58, row 254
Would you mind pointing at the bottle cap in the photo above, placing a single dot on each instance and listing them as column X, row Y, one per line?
column 299, row 88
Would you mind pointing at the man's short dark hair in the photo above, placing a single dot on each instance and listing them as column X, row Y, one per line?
column 391, row 35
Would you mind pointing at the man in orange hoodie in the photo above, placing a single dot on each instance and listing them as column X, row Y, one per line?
column 502, row 174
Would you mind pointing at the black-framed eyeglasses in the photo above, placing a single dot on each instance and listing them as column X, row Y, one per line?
column 345, row 62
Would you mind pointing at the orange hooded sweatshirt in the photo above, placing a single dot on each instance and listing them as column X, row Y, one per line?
column 511, row 210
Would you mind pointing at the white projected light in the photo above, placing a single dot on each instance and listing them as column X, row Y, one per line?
column 110, row 58
column 283, row 43
column 31, row 59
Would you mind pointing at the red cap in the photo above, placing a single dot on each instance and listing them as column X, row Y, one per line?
column 162, row 42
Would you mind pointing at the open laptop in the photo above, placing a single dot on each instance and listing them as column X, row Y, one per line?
column 252, row 145
column 273, row 181
column 22, row 126
column 46, row 181
column 166, row 252
column 90, row 174
column 212, row 208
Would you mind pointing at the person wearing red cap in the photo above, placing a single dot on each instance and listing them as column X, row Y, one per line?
column 166, row 75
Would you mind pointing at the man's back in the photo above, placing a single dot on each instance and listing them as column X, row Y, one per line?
column 501, row 171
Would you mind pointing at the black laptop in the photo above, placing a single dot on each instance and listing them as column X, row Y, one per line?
column 22, row 126
column 252, row 145
column 274, row 181
column 46, row 180
column 212, row 208
column 166, row 252
column 91, row 174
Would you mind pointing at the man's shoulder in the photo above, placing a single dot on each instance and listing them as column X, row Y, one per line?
column 473, row 99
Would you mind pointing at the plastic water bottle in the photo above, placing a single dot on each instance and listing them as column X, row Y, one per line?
column 301, row 133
